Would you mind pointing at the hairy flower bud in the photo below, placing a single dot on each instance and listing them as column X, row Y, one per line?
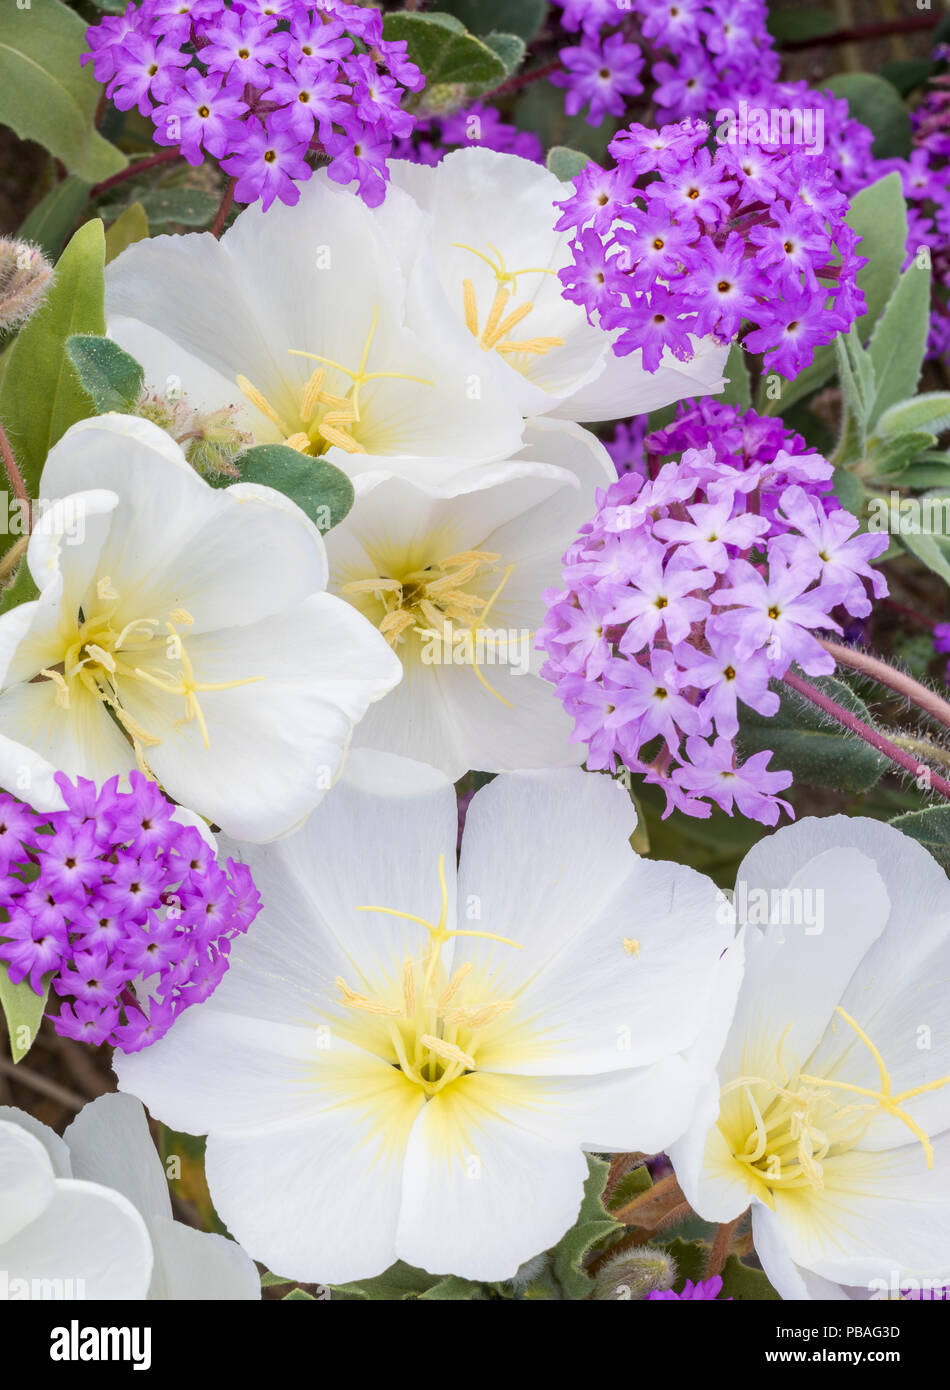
column 635, row 1273
column 25, row 278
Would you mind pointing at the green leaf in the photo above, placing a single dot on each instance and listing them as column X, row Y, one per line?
column 189, row 207
column 52, row 220
column 452, row 1289
column 106, row 372
column 745, row 1284
column 45, row 94
column 874, row 102
column 398, row 1283
column 906, row 74
column 849, row 490
column 444, row 49
column 23, row 1010
column 931, row 827
column 929, row 411
column 931, row 470
column 739, row 387
column 130, row 226
column 890, row 456
column 899, row 341
column 592, row 1226
column 270, row 1281
column 630, row 1185
column 40, row 396
column 691, row 1257
column 933, row 551
column 509, row 48
column 324, row 492
column 810, row 745
column 521, row 17
column 879, row 216
column 857, row 376
column 298, row 1295
column 566, row 164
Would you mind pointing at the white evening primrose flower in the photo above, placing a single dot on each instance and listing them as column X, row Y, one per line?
column 496, row 255
column 298, row 320
column 62, row 1237
column 407, row 1062
column 832, row 1111
column 109, row 1143
column 450, row 562
column 182, row 628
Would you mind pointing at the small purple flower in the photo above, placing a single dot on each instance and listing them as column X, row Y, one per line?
column 268, row 165
column 707, row 1289
column 112, row 898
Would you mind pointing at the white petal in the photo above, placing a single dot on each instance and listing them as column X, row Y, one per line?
column 319, row 1201
column 109, row 1143
column 80, row 741
column 482, row 1193
column 86, row 1233
column 275, row 744
column 200, row 1266
column 26, row 1179
column 625, row 388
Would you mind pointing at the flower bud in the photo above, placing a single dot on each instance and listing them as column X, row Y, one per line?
column 635, row 1273
column 25, row 278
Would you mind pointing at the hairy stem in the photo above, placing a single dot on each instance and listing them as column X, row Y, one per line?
column 721, row 1246
column 14, row 475
column 897, row 681
column 864, row 731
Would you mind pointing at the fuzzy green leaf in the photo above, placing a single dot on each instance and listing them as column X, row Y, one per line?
column 107, row 372
column 899, row 342
column 444, row 49
column 739, row 388
column 889, row 456
column 929, row 411
column 931, row 827
column 324, row 492
column 809, row 744
column 592, row 1226
column 566, row 164
column 874, row 102
column 189, row 207
column 509, row 48
column 745, row 1284
column 40, row 396
column 46, row 95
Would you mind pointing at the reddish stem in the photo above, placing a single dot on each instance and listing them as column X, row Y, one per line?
column 864, row 731
column 224, row 209
column 897, row 681
column 14, row 475
column 864, row 32
column 131, row 170
column 524, row 79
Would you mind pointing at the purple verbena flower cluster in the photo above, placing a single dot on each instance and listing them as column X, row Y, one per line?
column 126, row 907
column 676, row 242
column 260, row 84
column 689, row 592
column 699, row 54
column 703, row 1289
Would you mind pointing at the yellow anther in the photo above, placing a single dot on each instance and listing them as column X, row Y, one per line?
column 631, row 945
column 453, row 986
column 352, row 1000
column 104, row 589
column 448, row 1051
column 62, row 689
column 261, row 403
column 409, row 987
column 470, row 304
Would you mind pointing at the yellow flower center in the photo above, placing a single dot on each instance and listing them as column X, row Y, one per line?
column 106, row 657
column 800, row 1124
column 322, row 418
column 494, row 335
column 433, row 1034
column 434, row 599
